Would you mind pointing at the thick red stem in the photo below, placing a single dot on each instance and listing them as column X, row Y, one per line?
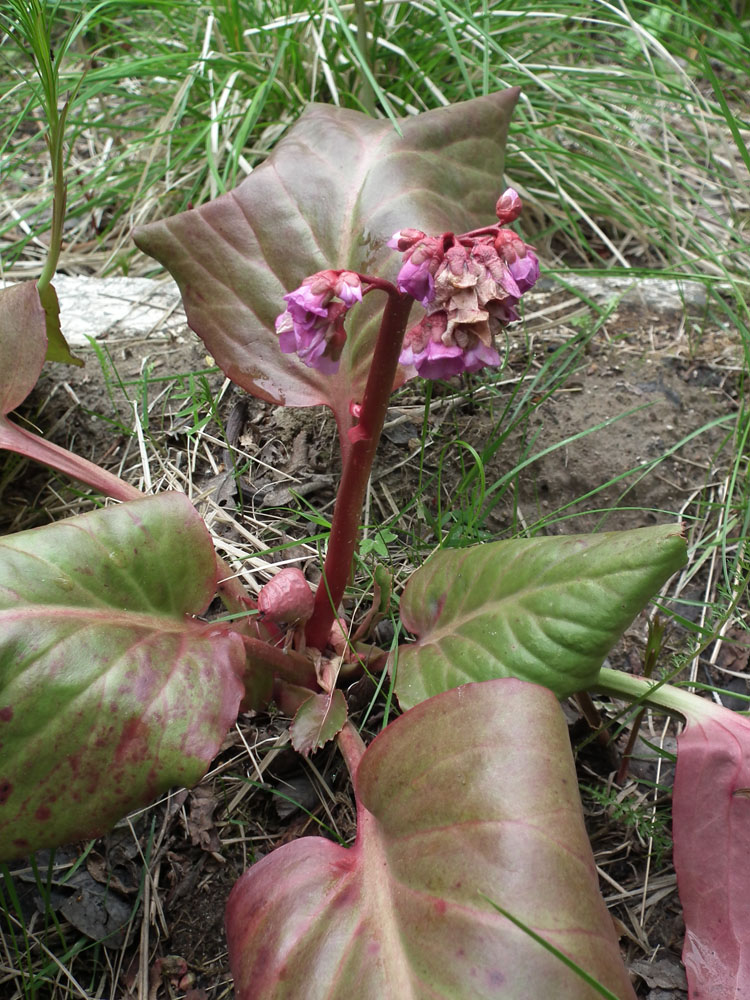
column 18, row 439
column 30, row 445
column 352, row 748
column 357, row 465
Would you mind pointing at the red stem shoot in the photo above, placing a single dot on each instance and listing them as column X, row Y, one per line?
column 365, row 436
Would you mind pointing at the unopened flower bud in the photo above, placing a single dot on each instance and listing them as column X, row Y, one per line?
column 509, row 206
column 348, row 287
column 404, row 239
column 287, row 599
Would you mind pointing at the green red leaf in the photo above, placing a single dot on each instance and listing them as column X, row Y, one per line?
column 331, row 194
column 470, row 796
column 318, row 720
column 546, row 610
column 110, row 690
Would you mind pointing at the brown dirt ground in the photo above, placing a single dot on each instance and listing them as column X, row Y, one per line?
column 674, row 371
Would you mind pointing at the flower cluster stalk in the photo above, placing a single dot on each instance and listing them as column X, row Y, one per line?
column 357, row 465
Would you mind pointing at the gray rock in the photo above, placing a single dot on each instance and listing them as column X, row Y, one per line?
column 661, row 294
column 93, row 307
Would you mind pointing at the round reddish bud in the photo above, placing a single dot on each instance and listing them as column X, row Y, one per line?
column 287, row 598
column 509, row 206
column 404, row 239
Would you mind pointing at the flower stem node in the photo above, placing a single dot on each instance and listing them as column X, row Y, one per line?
column 312, row 326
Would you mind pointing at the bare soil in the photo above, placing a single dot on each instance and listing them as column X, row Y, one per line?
column 645, row 383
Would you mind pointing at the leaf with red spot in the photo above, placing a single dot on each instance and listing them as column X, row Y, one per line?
column 470, row 796
column 331, row 194
column 110, row 690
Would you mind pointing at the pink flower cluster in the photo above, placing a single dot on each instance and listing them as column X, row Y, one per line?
column 312, row 326
column 469, row 286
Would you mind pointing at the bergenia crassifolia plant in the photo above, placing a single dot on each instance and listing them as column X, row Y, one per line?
column 355, row 258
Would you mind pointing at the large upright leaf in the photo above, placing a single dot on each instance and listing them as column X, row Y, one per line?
column 546, row 610
column 330, row 195
column 472, row 794
column 110, row 689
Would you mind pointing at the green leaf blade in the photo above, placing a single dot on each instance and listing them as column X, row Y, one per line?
column 318, row 720
column 57, row 345
column 546, row 610
column 110, row 690
column 442, row 820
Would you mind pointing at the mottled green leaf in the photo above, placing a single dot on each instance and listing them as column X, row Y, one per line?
column 470, row 796
column 110, row 689
column 332, row 193
column 546, row 610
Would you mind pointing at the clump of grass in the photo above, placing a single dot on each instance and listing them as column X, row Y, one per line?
column 619, row 145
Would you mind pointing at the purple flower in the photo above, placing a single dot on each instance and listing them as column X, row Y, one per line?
column 440, row 361
column 348, row 288
column 469, row 285
column 304, row 300
column 313, row 324
column 416, row 280
column 422, row 257
column 437, row 351
column 525, row 270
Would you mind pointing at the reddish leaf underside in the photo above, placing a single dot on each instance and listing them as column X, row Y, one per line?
column 711, row 827
column 24, row 328
column 472, row 792
column 331, row 194
column 546, row 610
column 110, row 690
column 23, row 343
